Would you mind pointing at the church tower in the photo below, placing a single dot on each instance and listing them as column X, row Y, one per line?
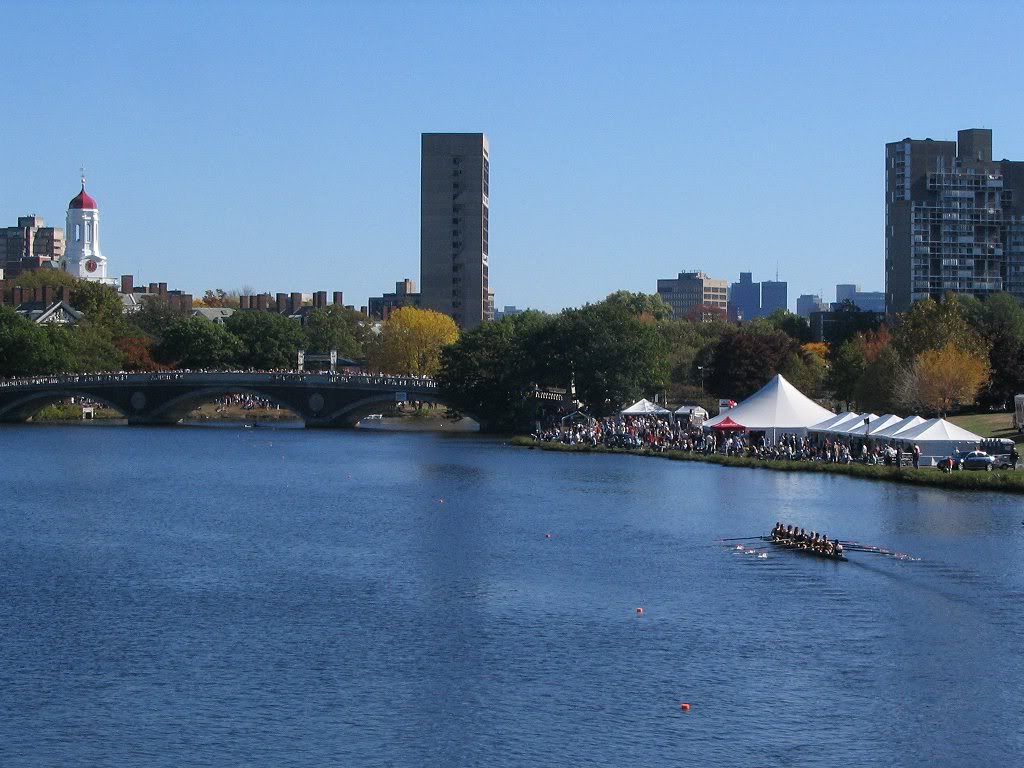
column 82, row 255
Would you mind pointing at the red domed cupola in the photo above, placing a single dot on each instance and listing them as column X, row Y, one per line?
column 83, row 201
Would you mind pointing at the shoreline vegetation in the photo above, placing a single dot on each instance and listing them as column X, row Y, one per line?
column 1003, row 481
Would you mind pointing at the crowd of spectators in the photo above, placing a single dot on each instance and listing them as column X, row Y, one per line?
column 659, row 434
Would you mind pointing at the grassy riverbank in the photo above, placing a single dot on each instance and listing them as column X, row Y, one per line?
column 1007, row 481
column 991, row 425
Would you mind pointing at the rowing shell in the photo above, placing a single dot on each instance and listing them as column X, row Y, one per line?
column 802, row 550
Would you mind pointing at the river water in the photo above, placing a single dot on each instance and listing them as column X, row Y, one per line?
column 274, row 597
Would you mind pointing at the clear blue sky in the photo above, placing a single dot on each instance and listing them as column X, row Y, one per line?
column 276, row 145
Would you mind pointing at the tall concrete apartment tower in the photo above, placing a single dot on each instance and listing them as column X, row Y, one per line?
column 954, row 220
column 454, row 203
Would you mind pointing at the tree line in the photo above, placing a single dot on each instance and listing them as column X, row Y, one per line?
column 161, row 336
column 938, row 357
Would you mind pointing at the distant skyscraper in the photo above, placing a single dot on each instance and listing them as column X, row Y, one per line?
column 869, row 301
column 846, row 292
column 745, row 298
column 807, row 303
column 454, row 206
column 954, row 220
column 774, row 296
column 692, row 290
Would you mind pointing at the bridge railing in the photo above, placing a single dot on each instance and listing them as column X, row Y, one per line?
column 218, row 377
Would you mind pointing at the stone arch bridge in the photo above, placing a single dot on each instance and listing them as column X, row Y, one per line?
column 319, row 399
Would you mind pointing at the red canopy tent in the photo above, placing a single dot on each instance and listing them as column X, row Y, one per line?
column 728, row 425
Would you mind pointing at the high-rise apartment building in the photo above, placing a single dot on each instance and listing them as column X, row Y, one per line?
column 774, row 296
column 30, row 245
column 454, row 206
column 954, row 220
column 694, row 291
column 744, row 298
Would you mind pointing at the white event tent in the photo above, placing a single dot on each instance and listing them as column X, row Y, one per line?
column 840, row 425
column 823, row 426
column 850, row 426
column 778, row 407
column 874, row 426
column 644, row 407
column 894, row 430
column 938, row 438
column 694, row 413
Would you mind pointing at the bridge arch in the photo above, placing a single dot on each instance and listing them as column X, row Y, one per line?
column 24, row 408
column 352, row 412
column 177, row 408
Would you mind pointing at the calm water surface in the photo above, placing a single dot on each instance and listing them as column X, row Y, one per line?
column 197, row 596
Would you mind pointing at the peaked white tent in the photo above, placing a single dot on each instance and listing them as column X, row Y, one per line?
column 823, row 426
column 694, row 414
column 894, row 430
column 644, row 407
column 778, row 407
column 876, row 425
column 939, row 438
column 851, row 421
column 850, row 426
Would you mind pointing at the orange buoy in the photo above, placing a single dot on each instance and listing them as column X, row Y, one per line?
column 639, row 611
column 685, row 707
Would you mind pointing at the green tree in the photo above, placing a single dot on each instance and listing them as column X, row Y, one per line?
column 690, row 346
column 268, row 340
column 99, row 302
column 195, row 342
column 336, row 327
column 745, row 361
column 884, row 384
column 26, row 349
column 641, row 304
column 488, row 372
column 783, row 320
column 609, row 353
column 85, row 348
column 845, row 369
column 156, row 316
column 999, row 320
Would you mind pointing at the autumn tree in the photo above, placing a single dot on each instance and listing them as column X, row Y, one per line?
column 931, row 324
column 410, row 342
column 137, row 352
column 218, row 297
column 948, row 377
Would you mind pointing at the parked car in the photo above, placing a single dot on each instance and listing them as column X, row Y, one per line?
column 948, row 464
column 982, row 461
